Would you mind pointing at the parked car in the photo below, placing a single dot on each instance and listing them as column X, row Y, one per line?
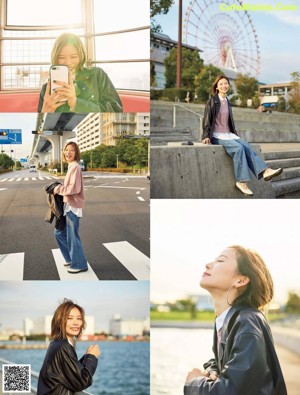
column 32, row 168
column 81, row 164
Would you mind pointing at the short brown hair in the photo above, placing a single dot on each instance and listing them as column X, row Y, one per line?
column 213, row 89
column 68, row 39
column 59, row 320
column 260, row 289
column 77, row 151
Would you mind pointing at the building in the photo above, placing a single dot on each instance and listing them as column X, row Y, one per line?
column 120, row 328
column 270, row 93
column 89, row 132
column 160, row 46
column 107, row 128
column 203, row 302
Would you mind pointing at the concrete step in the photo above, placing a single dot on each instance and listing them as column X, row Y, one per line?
column 281, row 155
column 286, row 186
column 284, row 163
column 288, row 173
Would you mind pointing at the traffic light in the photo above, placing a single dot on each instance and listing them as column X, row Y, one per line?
column 3, row 133
column 36, row 132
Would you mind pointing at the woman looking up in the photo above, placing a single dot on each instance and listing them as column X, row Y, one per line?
column 245, row 360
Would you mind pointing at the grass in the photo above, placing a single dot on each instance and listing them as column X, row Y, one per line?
column 182, row 316
column 199, row 316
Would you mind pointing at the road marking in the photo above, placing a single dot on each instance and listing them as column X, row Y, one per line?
column 11, row 179
column 3, row 189
column 4, row 179
column 63, row 273
column 26, row 179
column 18, row 179
column 141, row 199
column 33, row 178
column 134, row 260
column 12, row 266
column 41, row 178
column 111, row 186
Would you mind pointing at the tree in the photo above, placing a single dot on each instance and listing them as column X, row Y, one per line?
column 152, row 74
column 293, row 303
column 294, row 96
column 191, row 66
column 246, row 87
column 204, row 81
column 158, row 7
column 5, row 161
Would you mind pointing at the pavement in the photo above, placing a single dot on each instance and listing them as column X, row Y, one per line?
column 270, row 147
column 290, row 363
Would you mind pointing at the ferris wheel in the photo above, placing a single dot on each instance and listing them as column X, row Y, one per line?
column 227, row 38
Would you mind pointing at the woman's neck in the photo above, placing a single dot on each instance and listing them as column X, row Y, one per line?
column 223, row 95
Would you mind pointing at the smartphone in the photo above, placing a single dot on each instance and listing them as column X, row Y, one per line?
column 58, row 72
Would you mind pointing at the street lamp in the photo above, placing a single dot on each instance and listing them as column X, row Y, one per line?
column 117, row 161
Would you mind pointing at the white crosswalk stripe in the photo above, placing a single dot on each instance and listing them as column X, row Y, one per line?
column 138, row 264
column 12, row 266
column 134, row 260
column 63, row 270
column 28, row 178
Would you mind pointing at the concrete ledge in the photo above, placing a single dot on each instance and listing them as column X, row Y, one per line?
column 199, row 171
column 287, row 337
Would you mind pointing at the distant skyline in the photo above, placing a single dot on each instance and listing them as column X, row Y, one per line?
column 187, row 234
column 278, row 34
column 33, row 299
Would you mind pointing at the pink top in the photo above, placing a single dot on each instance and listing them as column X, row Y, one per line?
column 221, row 124
column 72, row 190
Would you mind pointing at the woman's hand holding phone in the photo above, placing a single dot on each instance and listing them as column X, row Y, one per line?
column 67, row 91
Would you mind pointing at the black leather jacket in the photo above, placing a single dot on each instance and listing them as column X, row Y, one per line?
column 94, row 91
column 62, row 373
column 211, row 111
column 248, row 364
column 56, row 206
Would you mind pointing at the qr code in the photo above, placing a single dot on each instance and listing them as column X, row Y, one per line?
column 16, row 378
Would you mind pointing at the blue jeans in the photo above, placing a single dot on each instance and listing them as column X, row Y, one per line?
column 244, row 158
column 69, row 242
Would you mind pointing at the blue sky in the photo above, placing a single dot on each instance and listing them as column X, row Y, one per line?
column 278, row 35
column 104, row 299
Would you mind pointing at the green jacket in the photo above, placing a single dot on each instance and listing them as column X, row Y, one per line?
column 94, row 91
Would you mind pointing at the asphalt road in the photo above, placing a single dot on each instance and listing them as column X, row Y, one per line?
column 115, row 229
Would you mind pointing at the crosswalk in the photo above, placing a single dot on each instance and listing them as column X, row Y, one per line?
column 18, row 179
column 137, row 263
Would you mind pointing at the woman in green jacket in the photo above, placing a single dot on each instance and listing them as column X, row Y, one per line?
column 89, row 89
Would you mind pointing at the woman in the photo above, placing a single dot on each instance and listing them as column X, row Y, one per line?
column 245, row 361
column 61, row 372
column 73, row 196
column 89, row 90
column 218, row 128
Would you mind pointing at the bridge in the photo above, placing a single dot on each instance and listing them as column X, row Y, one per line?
column 53, row 130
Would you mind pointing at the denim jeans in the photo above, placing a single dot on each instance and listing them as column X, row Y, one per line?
column 244, row 158
column 69, row 242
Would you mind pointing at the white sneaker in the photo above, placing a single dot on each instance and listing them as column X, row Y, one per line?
column 270, row 173
column 67, row 264
column 243, row 187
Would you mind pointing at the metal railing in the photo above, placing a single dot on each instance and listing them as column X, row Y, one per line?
column 34, row 375
column 191, row 111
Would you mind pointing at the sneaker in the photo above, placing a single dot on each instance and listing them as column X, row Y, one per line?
column 77, row 270
column 67, row 264
column 243, row 187
column 270, row 173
